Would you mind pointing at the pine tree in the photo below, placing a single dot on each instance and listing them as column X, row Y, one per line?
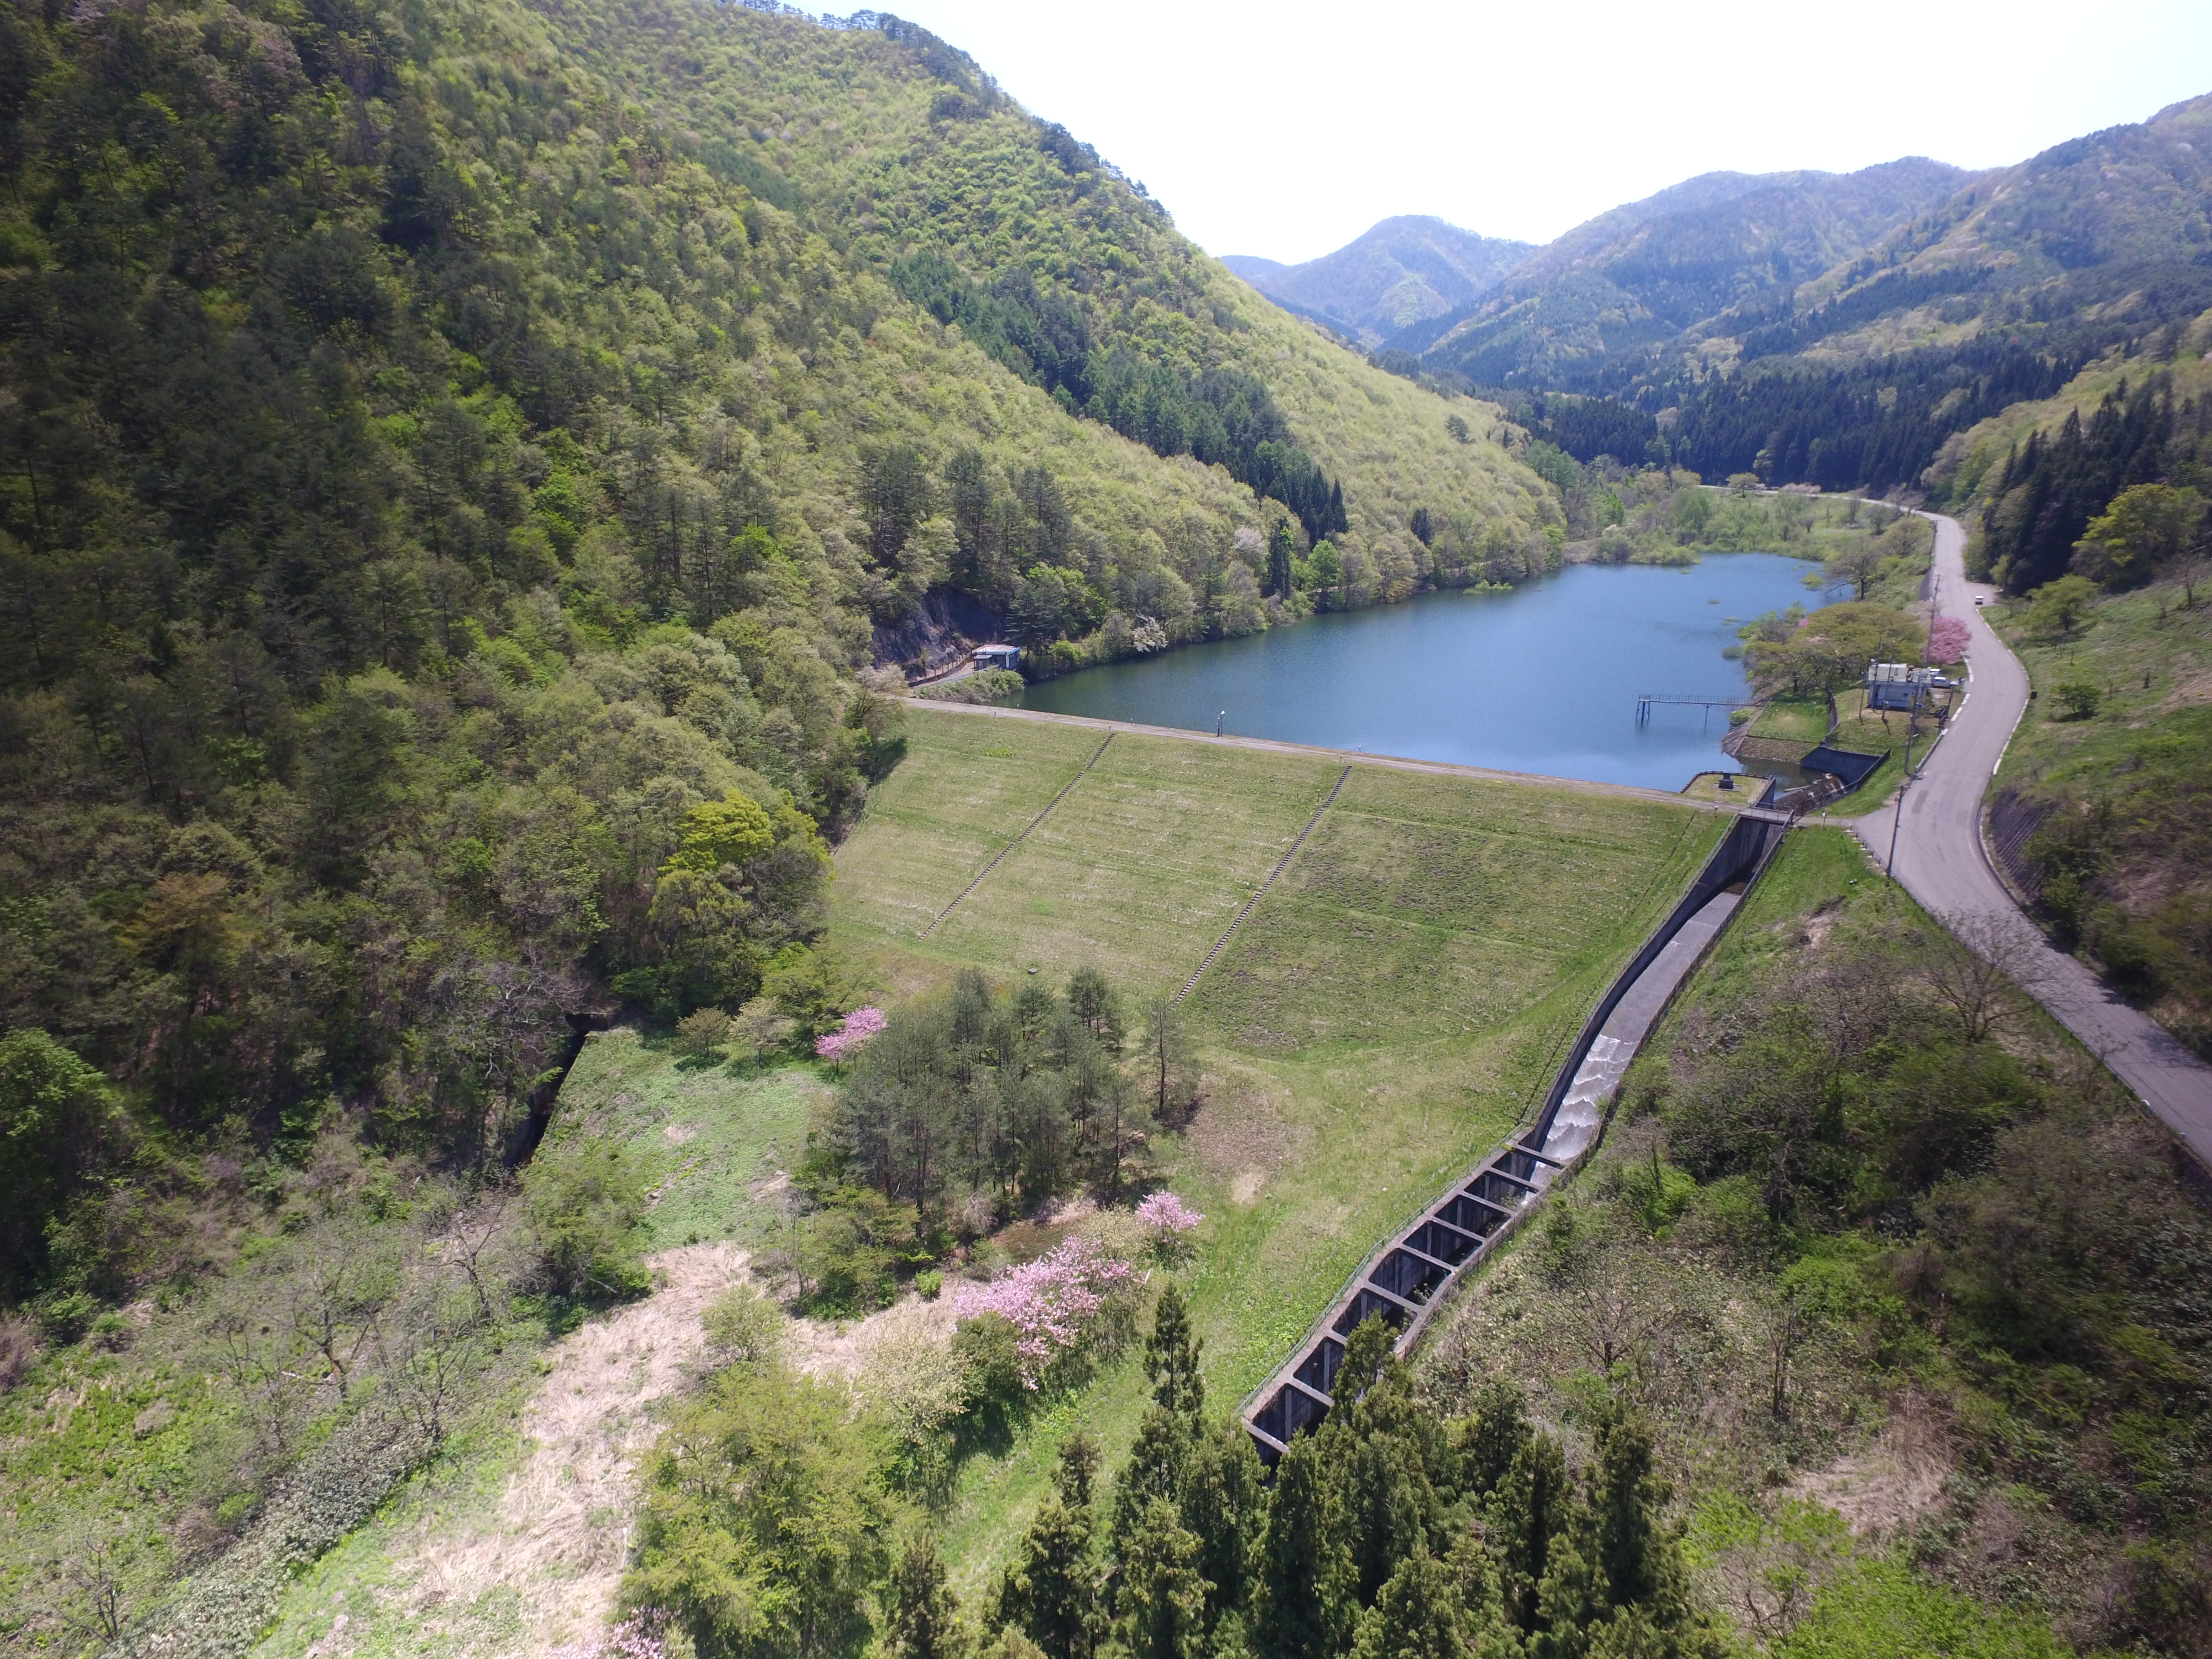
column 1171, row 1358
column 1491, row 1435
column 1616, row 1583
column 1367, row 1351
column 1051, row 1592
column 925, row 1616
column 1625, row 1500
column 1385, row 1453
column 1300, row 1603
column 1279, row 562
column 1077, row 1472
column 1386, row 1503
column 1570, row 1600
column 1160, row 1459
column 1163, row 1599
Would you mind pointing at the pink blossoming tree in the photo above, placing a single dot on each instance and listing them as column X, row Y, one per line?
column 859, row 1025
column 1051, row 1302
column 1947, row 640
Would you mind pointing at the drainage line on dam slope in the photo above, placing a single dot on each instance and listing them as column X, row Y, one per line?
column 1260, row 892
column 1018, row 840
column 1408, row 1276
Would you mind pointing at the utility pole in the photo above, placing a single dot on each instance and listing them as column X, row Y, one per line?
column 1889, row 869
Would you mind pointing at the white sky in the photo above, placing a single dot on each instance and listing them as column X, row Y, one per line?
column 1286, row 129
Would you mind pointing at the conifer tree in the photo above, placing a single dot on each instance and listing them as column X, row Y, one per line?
column 1163, row 1599
column 1616, row 1583
column 1279, row 562
column 1225, row 1504
column 1300, row 1603
column 1159, row 1458
column 925, row 1616
column 1382, row 1449
column 1172, row 1356
column 1491, row 1435
column 1417, row 1616
column 1529, row 1509
column 1051, row 1592
column 1626, row 1497
column 1386, row 1502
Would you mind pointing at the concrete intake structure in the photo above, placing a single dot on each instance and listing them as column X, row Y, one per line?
column 1406, row 1279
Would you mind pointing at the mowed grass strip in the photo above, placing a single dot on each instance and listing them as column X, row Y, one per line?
column 967, row 787
column 1142, row 865
column 1423, row 905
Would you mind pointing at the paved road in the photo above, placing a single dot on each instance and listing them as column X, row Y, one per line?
column 1941, row 861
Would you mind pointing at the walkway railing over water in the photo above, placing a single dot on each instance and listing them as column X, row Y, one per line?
column 1645, row 702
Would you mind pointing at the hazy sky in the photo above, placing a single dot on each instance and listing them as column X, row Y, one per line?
column 1286, row 129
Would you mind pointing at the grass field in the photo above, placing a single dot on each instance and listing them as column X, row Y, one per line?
column 1381, row 1019
column 1792, row 720
column 713, row 1142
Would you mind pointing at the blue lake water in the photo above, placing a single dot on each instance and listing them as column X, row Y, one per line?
column 1542, row 680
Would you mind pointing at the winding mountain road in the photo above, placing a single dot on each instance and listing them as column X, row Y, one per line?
column 1941, row 860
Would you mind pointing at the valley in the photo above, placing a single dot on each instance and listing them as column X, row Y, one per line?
column 556, row 1103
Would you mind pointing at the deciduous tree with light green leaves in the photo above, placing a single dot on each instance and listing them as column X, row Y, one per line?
column 2143, row 527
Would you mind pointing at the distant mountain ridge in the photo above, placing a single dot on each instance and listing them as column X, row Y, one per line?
column 1614, row 297
column 1828, row 328
column 1398, row 271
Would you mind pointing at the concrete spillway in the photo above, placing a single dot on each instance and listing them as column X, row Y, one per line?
column 1407, row 1279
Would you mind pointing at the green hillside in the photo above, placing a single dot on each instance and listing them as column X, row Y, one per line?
column 450, row 446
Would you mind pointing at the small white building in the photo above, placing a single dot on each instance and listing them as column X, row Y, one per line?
column 998, row 656
column 1900, row 685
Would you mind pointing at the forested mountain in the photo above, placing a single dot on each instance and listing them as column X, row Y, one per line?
column 1613, row 299
column 1398, row 273
column 1837, row 330
column 458, row 458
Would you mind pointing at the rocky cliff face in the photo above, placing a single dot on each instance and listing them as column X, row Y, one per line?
column 948, row 626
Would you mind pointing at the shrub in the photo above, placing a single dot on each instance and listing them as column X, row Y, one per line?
column 700, row 1036
column 993, row 686
column 584, row 1203
column 2077, row 699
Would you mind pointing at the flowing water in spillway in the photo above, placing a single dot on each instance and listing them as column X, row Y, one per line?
column 1542, row 679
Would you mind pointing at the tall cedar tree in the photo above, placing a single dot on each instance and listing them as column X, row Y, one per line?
column 925, row 1615
column 1162, row 1597
column 1160, row 1459
column 1051, row 1593
column 1302, row 1606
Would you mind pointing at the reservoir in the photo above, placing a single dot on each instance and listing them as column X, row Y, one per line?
column 1543, row 678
